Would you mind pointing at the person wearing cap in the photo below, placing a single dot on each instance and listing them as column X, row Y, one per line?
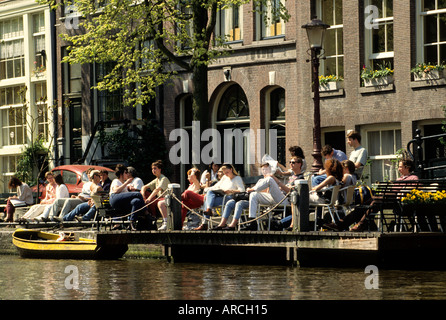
column 276, row 190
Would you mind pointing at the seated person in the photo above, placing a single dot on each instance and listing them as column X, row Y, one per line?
column 229, row 184
column 295, row 151
column 190, row 197
column 23, row 198
column 50, row 196
column 328, row 152
column 210, row 175
column 137, row 183
column 128, row 203
column 405, row 168
column 61, row 193
column 105, row 181
column 152, row 191
column 334, row 171
column 86, row 210
column 63, row 206
column 276, row 190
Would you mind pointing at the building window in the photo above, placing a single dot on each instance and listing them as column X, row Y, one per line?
column 233, row 116
column 271, row 25
column 12, row 56
column 383, row 146
column 110, row 103
column 42, row 109
column 330, row 12
column 184, row 25
column 39, row 42
column 8, row 170
column 72, row 74
column 276, row 116
column 432, row 33
column 379, row 34
column 13, row 116
column 229, row 24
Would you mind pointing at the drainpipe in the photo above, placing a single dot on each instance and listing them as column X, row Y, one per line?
column 54, row 83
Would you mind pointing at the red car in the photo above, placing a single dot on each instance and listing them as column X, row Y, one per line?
column 74, row 177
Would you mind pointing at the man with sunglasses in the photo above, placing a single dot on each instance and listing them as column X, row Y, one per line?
column 270, row 190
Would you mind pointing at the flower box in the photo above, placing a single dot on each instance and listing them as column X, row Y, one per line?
column 329, row 86
column 381, row 81
column 431, row 75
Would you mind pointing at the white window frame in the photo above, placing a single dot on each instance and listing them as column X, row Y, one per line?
column 420, row 14
column 9, row 39
column 337, row 55
column 366, row 143
column 368, row 39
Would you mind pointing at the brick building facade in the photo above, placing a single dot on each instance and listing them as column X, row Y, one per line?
column 386, row 116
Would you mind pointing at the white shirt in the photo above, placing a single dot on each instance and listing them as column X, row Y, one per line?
column 116, row 183
column 62, row 191
column 226, row 183
column 137, row 183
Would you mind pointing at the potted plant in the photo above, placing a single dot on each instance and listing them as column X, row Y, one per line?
column 429, row 71
column 329, row 83
column 378, row 77
column 38, row 70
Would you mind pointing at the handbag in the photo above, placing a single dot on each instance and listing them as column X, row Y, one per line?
column 241, row 196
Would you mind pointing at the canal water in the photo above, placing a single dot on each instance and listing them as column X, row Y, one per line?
column 156, row 279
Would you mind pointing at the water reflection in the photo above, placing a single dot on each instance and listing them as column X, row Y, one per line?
column 151, row 279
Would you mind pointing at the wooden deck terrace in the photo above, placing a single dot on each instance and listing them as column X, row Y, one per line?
column 403, row 250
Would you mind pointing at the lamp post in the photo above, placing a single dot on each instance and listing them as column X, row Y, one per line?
column 315, row 33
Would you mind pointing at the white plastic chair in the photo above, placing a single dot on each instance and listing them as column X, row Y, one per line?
column 331, row 206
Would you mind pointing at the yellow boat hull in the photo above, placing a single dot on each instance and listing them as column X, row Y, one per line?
column 38, row 244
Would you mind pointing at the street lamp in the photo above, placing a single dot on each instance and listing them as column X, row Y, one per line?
column 315, row 33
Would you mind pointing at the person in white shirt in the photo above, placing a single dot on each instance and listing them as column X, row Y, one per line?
column 63, row 206
column 229, row 184
column 137, row 183
column 359, row 155
column 61, row 193
column 122, row 199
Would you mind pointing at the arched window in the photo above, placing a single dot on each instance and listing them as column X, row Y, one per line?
column 233, row 105
column 233, row 116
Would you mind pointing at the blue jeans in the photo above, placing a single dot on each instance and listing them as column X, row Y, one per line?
column 127, row 202
column 238, row 208
column 214, row 200
column 79, row 210
column 286, row 222
column 317, row 179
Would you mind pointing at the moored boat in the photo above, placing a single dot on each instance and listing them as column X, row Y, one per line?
column 39, row 244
